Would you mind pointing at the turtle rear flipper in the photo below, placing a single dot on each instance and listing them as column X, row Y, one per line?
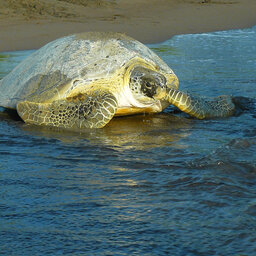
column 92, row 111
column 201, row 108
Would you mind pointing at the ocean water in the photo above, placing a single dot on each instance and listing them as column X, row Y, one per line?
column 162, row 184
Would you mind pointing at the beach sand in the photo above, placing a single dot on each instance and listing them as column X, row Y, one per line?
column 29, row 24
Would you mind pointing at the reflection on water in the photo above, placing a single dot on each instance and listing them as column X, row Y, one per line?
column 134, row 132
column 139, row 132
column 160, row 184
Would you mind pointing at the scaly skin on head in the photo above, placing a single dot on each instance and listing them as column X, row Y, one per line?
column 147, row 84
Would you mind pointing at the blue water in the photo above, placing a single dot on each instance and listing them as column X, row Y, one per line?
column 164, row 184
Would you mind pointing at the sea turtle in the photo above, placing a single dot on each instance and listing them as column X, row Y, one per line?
column 84, row 80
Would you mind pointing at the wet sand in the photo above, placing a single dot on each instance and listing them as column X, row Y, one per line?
column 29, row 24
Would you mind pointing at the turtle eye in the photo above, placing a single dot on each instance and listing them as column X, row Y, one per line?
column 148, row 85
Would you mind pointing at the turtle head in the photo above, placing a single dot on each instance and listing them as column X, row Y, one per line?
column 147, row 85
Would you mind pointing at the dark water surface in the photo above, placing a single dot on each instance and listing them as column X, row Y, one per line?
column 144, row 185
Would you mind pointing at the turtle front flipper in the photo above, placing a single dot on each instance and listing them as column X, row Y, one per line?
column 84, row 111
column 201, row 108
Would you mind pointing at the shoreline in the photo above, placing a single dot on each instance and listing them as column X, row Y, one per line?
column 150, row 21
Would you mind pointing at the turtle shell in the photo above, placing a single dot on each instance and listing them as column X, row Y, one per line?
column 66, row 64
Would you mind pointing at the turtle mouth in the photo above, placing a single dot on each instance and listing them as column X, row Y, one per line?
column 160, row 93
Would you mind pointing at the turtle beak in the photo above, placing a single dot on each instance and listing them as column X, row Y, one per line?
column 160, row 93
column 171, row 81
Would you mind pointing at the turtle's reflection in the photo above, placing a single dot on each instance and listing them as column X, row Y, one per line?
column 137, row 132
column 133, row 132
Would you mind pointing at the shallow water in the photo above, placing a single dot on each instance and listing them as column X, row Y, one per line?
column 144, row 185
